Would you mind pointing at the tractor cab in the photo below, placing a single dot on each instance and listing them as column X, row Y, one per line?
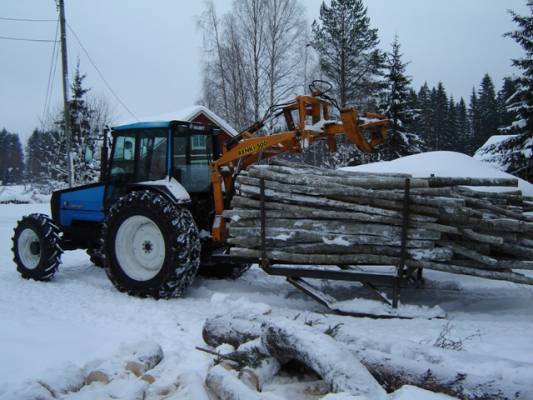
column 167, row 155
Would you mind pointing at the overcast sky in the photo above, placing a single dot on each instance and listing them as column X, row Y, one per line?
column 150, row 52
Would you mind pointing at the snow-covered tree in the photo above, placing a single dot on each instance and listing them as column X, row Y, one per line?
column 514, row 154
column 400, row 141
column 522, row 101
column 84, row 138
column 348, row 51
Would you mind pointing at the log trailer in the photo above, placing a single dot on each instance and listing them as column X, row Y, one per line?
column 156, row 215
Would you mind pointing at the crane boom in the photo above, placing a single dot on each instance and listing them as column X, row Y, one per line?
column 313, row 123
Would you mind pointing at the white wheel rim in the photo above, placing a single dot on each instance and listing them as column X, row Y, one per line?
column 29, row 248
column 140, row 248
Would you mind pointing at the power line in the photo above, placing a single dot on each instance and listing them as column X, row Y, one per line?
column 51, row 74
column 26, row 19
column 100, row 73
column 27, row 39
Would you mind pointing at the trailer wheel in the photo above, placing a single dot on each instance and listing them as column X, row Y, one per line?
column 224, row 271
column 36, row 247
column 152, row 247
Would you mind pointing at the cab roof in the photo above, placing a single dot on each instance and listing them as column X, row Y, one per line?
column 184, row 115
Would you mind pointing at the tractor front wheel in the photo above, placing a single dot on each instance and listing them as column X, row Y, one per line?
column 36, row 247
column 152, row 247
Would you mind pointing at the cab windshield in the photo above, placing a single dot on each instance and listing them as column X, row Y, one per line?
column 139, row 155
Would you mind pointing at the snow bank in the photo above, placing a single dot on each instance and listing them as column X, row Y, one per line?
column 21, row 194
column 442, row 164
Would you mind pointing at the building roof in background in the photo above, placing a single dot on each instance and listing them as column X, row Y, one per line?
column 187, row 115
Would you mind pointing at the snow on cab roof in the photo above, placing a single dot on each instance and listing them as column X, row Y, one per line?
column 187, row 115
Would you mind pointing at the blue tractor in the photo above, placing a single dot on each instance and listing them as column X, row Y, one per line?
column 148, row 219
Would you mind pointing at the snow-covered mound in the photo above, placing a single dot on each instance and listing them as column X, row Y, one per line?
column 443, row 164
column 21, row 194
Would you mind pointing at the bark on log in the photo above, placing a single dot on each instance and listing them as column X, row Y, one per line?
column 456, row 269
column 334, row 227
column 305, row 200
column 372, row 182
column 249, row 204
column 250, row 237
column 436, row 254
column 322, row 259
column 287, row 340
column 441, row 181
column 473, row 255
column 319, row 214
column 313, row 186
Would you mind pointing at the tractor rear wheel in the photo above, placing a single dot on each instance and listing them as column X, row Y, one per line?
column 152, row 247
column 36, row 247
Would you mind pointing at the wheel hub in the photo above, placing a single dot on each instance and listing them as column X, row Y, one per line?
column 147, row 247
column 140, row 248
column 29, row 248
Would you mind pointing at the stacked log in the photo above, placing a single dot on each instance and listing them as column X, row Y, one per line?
column 326, row 217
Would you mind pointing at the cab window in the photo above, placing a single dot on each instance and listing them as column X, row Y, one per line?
column 192, row 154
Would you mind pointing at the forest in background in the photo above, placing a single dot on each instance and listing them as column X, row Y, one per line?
column 263, row 52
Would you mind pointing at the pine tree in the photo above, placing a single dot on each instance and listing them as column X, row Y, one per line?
column 11, row 158
column 45, row 162
column 488, row 112
column 348, row 51
column 450, row 140
column 523, row 101
column 463, row 127
column 474, row 115
column 400, row 142
column 83, row 136
column 440, row 117
column 515, row 154
column 424, row 122
column 505, row 97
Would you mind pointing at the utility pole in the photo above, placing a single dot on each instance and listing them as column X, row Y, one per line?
column 67, row 130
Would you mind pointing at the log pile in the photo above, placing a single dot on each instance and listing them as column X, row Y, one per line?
column 326, row 217
column 350, row 362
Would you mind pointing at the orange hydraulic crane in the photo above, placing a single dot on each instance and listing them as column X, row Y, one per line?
column 312, row 123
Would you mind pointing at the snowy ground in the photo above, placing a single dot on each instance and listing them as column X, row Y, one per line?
column 79, row 316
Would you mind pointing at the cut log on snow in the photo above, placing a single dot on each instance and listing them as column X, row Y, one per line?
column 394, row 364
column 460, row 374
column 257, row 375
column 287, row 340
column 234, row 331
column 226, row 385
